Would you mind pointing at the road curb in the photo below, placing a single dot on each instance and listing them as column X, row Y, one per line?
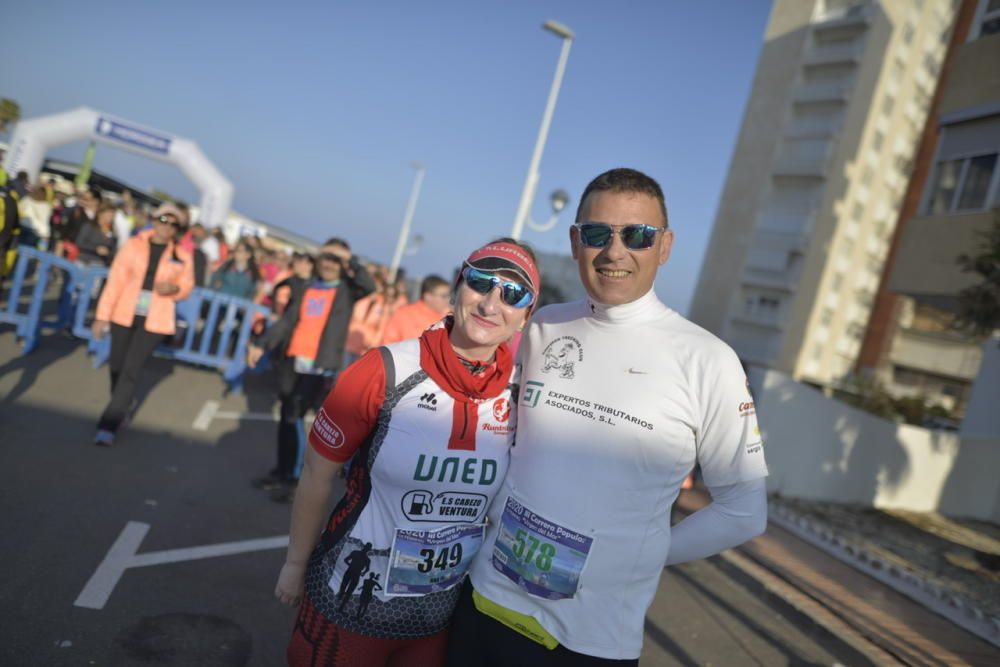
column 955, row 608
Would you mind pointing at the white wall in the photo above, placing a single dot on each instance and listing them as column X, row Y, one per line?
column 819, row 448
column 982, row 416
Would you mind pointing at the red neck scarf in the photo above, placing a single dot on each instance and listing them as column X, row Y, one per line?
column 440, row 361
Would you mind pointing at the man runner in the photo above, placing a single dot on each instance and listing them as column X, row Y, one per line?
column 620, row 397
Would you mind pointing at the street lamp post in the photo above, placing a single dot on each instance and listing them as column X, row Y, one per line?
column 404, row 232
column 531, row 181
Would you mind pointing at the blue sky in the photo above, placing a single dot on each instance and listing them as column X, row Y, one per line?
column 315, row 110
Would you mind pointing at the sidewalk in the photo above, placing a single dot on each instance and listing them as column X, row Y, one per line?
column 885, row 626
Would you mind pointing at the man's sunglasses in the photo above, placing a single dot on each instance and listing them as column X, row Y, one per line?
column 635, row 237
column 512, row 293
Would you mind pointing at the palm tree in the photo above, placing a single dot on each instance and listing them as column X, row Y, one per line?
column 10, row 112
column 979, row 305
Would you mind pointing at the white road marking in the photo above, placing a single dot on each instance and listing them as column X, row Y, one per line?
column 95, row 594
column 249, row 416
column 205, row 416
column 210, row 411
column 123, row 556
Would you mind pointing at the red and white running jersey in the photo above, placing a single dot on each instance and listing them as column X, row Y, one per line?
column 413, row 515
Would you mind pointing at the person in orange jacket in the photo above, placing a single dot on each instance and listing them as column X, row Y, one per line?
column 148, row 276
column 368, row 320
column 413, row 319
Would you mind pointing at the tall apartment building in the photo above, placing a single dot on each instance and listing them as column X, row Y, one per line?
column 838, row 104
column 952, row 202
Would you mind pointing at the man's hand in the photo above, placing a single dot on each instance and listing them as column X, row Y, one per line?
column 163, row 288
column 102, row 251
column 99, row 328
column 291, row 582
column 340, row 251
column 254, row 354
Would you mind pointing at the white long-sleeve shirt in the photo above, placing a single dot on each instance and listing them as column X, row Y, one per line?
column 617, row 405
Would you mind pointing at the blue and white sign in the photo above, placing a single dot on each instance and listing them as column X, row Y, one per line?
column 133, row 136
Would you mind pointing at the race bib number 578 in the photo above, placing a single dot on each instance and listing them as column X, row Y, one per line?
column 539, row 555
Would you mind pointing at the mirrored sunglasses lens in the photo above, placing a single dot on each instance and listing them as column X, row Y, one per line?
column 637, row 237
column 516, row 295
column 595, row 235
column 479, row 282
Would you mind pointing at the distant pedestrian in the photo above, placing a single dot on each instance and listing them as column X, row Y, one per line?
column 307, row 343
column 36, row 213
column 72, row 221
column 411, row 320
column 137, row 306
column 239, row 275
column 96, row 240
column 10, row 230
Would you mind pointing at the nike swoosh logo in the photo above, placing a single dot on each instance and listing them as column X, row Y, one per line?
column 635, row 372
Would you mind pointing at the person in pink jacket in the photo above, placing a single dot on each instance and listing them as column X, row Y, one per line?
column 149, row 275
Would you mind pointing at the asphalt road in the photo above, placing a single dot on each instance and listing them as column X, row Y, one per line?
column 65, row 503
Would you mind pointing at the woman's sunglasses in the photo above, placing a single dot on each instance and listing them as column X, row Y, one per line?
column 170, row 220
column 635, row 237
column 512, row 293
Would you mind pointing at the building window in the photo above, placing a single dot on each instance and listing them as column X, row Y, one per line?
column 762, row 308
column 881, row 230
column 888, row 103
column 898, row 69
column 987, row 20
column 826, row 317
column 906, row 377
column 976, row 185
column 866, row 178
column 931, row 65
column 878, row 139
column 847, row 247
column 837, row 281
column 962, row 184
column 908, row 33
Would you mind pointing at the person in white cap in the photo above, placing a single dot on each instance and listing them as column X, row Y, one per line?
column 138, row 308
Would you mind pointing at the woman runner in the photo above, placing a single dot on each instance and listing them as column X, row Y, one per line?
column 429, row 424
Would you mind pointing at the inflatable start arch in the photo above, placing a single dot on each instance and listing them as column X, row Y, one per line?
column 34, row 137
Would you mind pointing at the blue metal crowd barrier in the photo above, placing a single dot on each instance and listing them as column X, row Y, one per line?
column 28, row 318
column 238, row 317
column 206, row 342
column 203, row 342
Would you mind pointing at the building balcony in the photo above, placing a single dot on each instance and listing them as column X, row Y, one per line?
column 811, row 165
column 915, row 113
column 876, row 248
column 925, row 266
column 788, row 241
column 819, row 92
column 972, row 80
column 841, row 19
column 761, row 321
column 771, row 280
column 834, row 54
column 936, row 353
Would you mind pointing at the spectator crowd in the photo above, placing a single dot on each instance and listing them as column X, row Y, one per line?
column 89, row 227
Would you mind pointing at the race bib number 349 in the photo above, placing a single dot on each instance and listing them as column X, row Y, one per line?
column 539, row 555
column 427, row 561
